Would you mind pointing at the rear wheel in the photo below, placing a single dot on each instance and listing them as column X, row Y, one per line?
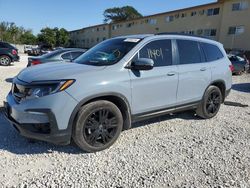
column 211, row 103
column 5, row 60
column 98, row 126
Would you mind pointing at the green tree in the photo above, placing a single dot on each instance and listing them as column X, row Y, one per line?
column 62, row 37
column 47, row 36
column 28, row 38
column 11, row 33
column 117, row 14
column 54, row 37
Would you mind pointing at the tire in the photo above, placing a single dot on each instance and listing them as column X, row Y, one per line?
column 98, row 125
column 210, row 103
column 5, row 60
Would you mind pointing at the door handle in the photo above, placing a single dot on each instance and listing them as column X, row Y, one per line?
column 203, row 69
column 171, row 74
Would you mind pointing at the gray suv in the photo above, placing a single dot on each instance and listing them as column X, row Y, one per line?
column 115, row 83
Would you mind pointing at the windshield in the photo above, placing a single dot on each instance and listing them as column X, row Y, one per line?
column 108, row 52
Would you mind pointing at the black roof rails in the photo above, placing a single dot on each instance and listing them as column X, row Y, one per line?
column 182, row 34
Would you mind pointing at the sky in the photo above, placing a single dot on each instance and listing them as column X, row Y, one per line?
column 76, row 14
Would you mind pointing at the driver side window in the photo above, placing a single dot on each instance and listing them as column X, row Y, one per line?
column 160, row 51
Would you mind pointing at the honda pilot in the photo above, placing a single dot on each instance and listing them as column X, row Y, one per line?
column 118, row 82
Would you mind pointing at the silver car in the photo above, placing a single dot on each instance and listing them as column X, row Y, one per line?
column 118, row 82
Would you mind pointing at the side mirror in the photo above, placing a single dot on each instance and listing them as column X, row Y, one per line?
column 142, row 64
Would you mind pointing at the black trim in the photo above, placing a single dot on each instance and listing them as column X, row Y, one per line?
column 127, row 124
column 56, row 136
column 156, row 113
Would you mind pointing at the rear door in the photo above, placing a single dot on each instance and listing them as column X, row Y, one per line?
column 155, row 89
column 194, row 72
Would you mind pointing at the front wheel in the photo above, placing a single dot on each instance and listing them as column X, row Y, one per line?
column 98, row 125
column 210, row 103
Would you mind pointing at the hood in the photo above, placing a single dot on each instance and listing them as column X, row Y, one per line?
column 55, row 71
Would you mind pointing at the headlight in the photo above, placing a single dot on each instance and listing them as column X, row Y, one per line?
column 41, row 90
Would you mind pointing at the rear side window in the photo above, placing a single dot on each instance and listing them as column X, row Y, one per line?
column 66, row 56
column 160, row 51
column 76, row 54
column 189, row 52
column 212, row 52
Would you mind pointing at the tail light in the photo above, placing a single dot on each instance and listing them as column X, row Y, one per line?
column 231, row 68
column 14, row 52
column 35, row 62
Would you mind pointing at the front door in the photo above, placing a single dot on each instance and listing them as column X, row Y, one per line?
column 154, row 89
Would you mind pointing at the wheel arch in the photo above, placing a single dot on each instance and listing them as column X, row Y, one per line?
column 11, row 59
column 222, row 86
column 118, row 99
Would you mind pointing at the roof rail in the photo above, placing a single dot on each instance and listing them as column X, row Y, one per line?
column 182, row 34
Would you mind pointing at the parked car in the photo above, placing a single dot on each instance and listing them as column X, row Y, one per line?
column 117, row 82
column 27, row 48
column 40, row 50
column 59, row 56
column 8, row 54
column 239, row 64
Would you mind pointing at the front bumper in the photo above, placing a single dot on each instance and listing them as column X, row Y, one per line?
column 15, row 58
column 40, row 131
column 45, row 119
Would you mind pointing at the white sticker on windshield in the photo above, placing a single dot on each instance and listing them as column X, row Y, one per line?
column 131, row 40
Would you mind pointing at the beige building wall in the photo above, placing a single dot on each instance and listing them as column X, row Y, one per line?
column 90, row 36
column 200, row 20
column 236, row 19
column 159, row 23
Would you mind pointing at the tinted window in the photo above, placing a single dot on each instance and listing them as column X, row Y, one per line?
column 189, row 52
column 66, row 56
column 160, row 51
column 212, row 52
column 76, row 54
column 108, row 52
column 52, row 54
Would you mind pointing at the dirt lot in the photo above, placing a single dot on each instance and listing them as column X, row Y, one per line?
column 177, row 150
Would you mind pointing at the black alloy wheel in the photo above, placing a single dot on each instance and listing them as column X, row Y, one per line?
column 213, row 102
column 98, row 125
column 210, row 103
column 100, row 128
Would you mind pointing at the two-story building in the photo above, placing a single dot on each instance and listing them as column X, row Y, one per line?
column 227, row 21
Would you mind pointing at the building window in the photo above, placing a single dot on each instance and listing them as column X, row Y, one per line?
column 236, row 30
column 176, row 16
column 240, row 6
column 104, row 28
column 183, row 15
column 130, row 24
column 97, row 29
column 191, row 32
column 153, row 21
column 193, row 13
column 210, row 32
column 199, row 31
column 169, row 18
column 213, row 11
column 104, row 38
column 201, row 12
column 97, row 40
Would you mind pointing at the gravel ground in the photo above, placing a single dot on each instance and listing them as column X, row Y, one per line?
column 177, row 150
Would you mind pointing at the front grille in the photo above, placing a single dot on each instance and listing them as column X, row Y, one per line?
column 19, row 92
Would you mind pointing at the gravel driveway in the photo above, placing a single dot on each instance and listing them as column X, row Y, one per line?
column 177, row 150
